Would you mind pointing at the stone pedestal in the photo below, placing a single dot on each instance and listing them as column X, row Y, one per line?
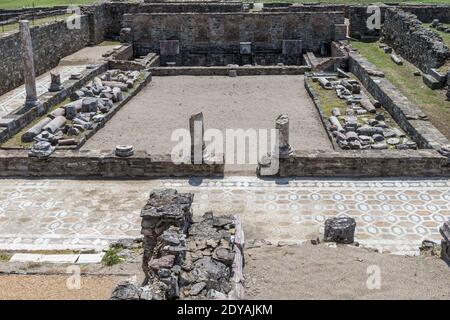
column 55, row 84
column 29, row 74
column 340, row 230
column 124, row 151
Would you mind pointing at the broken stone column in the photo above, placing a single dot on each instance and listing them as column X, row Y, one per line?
column 445, row 243
column 35, row 130
column 164, row 208
column 197, row 131
column 29, row 74
column 336, row 123
column 340, row 230
column 282, row 126
column 55, row 84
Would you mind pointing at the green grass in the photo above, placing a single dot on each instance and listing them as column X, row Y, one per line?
column 4, row 257
column 432, row 102
column 14, row 4
column 445, row 36
column 36, row 22
column 16, row 140
column 111, row 257
column 360, row 1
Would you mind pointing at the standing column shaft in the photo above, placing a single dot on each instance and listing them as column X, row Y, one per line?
column 28, row 64
column 282, row 126
column 197, row 131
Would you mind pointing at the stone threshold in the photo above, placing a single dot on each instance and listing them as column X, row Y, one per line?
column 225, row 70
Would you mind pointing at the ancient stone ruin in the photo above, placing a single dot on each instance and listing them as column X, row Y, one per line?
column 186, row 257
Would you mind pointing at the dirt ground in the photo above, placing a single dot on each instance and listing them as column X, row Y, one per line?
column 54, row 287
column 87, row 55
column 166, row 104
column 320, row 272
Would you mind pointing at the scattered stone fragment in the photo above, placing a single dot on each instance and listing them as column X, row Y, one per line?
column 41, row 150
column 396, row 59
column 393, row 141
column 124, row 151
column 340, row 230
column 197, row 288
column 431, row 82
column 379, row 146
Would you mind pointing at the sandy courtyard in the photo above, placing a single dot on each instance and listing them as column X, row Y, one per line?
column 166, row 104
column 319, row 272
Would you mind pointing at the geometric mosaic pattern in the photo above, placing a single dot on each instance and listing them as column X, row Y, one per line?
column 16, row 98
column 392, row 215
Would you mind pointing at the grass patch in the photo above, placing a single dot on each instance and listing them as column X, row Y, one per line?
column 4, row 256
column 432, row 102
column 445, row 36
column 36, row 22
column 112, row 257
column 13, row 4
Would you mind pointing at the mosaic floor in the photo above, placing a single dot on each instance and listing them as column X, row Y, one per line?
column 391, row 215
column 15, row 98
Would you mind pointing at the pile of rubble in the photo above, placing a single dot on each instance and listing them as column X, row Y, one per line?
column 436, row 24
column 186, row 258
column 363, row 126
column 89, row 106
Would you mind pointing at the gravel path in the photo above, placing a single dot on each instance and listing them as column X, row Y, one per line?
column 148, row 121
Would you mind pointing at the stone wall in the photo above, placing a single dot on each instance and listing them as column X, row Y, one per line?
column 103, row 164
column 420, row 46
column 366, row 163
column 15, row 14
column 426, row 13
column 408, row 115
column 222, row 32
column 100, row 164
column 117, row 10
column 51, row 42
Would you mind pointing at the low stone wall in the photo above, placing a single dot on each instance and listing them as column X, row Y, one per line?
column 51, row 42
column 104, row 164
column 224, row 71
column 100, row 164
column 408, row 115
column 365, row 163
column 15, row 14
column 420, row 46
